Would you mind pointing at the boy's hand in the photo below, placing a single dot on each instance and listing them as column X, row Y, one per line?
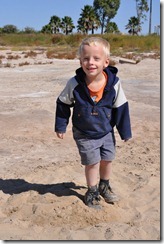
column 60, row 135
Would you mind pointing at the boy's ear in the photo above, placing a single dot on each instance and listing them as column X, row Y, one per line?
column 107, row 61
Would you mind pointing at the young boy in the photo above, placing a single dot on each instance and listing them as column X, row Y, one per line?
column 99, row 104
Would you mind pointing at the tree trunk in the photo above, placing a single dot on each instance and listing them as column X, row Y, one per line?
column 150, row 17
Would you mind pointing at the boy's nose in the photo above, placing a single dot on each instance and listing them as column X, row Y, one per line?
column 90, row 60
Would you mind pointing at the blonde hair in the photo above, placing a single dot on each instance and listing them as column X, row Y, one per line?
column 95, row 41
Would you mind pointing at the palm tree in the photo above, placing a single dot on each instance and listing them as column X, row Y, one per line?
column 55, row 23
column 133, row 26
column 112, row 27
column 46, row 29
column 67, row 25
column 80, row 26
column 88, row 20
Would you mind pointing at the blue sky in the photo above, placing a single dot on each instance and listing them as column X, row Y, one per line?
column 37, row 13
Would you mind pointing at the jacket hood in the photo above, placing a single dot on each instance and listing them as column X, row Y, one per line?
column 112, row 69
column 111, row 72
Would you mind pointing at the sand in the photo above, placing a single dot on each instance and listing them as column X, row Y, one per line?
column 42, row 182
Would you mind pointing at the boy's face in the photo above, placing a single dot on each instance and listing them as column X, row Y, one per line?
column 93, row 60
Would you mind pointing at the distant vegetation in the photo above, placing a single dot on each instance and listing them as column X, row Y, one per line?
column 69, row 43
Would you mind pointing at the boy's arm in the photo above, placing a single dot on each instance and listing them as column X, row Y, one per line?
column 120, row 114
column 62, row 117
column 63, row 108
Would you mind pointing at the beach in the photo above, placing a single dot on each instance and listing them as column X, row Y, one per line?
column 42, row 181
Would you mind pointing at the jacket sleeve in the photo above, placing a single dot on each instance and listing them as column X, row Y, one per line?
column 63, row 106
column 62, row 116
column 120, row 113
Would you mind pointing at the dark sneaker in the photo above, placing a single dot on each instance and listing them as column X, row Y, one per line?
column 92, row 199
column 107, row 193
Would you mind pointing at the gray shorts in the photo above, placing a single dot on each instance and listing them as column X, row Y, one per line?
column 94, row 150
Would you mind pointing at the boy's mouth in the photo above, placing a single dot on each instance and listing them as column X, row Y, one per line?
column 91, row 69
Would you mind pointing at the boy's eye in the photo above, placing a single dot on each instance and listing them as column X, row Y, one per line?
column 94, row 58
column 85, row 59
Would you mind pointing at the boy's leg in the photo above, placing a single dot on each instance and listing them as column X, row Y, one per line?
column 104, row 187
column 92, row 197
column 91, row 174
column 105, row 169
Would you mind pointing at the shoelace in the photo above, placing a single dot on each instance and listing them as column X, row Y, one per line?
column 91, row 197
column 107, row 187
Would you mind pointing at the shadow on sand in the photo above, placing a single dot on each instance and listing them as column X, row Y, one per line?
column 16, row 186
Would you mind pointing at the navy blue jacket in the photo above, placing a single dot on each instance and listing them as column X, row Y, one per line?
column 94, row 120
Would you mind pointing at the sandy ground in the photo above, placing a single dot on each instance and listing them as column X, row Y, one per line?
column 42, row 182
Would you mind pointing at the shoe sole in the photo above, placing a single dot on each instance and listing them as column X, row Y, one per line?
column 111, row 201
column 95, row 206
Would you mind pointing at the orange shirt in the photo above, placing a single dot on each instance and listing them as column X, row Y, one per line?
column 97, row 95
